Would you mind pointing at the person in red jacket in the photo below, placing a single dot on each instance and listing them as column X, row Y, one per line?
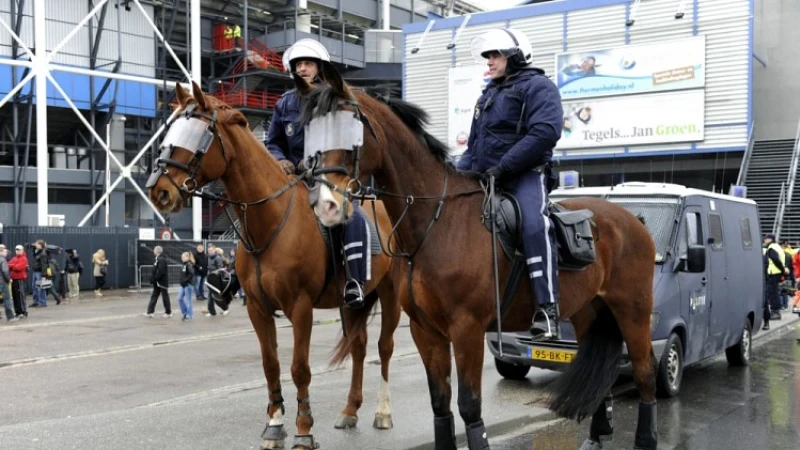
column 18, row 265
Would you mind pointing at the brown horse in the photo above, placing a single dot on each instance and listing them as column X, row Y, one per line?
column 448, row 292
column 288, row 264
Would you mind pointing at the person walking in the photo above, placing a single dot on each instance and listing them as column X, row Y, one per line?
column 18, row 266
column 187, row 286
column 160, row 281
column 99, row 271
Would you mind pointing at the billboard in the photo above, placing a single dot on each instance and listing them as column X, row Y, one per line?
column 634, row 120
column 632, row 69
column 465, row 85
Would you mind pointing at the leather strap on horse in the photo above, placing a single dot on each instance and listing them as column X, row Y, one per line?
column 280, row 400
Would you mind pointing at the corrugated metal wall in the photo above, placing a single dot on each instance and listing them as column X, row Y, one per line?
column 426, row 78
column 138, row 38
column 725, row 23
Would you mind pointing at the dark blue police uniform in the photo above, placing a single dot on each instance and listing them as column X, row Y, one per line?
column 516, row 124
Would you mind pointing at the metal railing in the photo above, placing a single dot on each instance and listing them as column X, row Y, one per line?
column 786, row 197
column 748, row 154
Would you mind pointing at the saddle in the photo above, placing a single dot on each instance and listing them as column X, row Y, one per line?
column 574, row 238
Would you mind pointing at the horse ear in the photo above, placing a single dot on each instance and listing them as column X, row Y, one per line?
column 181, row 95
column 198, row 95
column 334, row 78
column 303, row 87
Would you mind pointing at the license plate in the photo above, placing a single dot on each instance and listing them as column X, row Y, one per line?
column 547, row 354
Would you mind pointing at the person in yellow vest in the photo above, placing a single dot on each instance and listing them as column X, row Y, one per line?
column 228, row 32
column 237, row 32
column 775, row 258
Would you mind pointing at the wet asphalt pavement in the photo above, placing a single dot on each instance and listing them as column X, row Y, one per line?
column 99, row 376
column 718, row 408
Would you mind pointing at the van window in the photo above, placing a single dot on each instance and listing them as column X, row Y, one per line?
column 715, row 230
column 747, row 236
column 692, row 232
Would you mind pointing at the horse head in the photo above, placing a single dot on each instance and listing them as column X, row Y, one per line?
column 196, row 150
column 342, row 142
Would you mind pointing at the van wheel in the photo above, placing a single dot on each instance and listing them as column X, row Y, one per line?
column 739, row 354
column 670, row 368
column 511, row 371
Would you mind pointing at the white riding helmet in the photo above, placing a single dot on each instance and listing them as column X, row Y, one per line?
column 305, row 49
column 511, row 43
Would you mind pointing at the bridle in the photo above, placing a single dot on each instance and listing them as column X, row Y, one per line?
column 196, row 136
column 355, row 190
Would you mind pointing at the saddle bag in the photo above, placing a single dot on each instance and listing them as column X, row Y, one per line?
column 576, row 246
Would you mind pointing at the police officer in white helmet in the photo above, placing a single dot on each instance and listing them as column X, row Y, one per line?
column 309, row 60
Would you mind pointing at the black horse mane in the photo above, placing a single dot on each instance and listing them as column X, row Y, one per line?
column 323, row 99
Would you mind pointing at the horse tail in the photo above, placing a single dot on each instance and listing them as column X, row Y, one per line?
column 577, row 393
column 357, row 325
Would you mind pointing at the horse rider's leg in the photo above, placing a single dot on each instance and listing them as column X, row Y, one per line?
column 468, row 338
column 634, row 323
column 538, row 238
column 358, row 352
column 301, row 317
column 357, row 248
column 435, row 353
column 264, row 324
column 390, row 318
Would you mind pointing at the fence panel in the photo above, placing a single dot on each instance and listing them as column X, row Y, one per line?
column 118, row 243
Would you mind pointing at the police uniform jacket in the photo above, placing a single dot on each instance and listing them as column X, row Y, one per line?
column 285, row 136
column 516, row 124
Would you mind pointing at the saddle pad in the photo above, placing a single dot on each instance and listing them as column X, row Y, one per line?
column 375, row 243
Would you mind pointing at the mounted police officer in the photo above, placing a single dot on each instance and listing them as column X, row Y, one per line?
column 285, row 141
column 516, row 124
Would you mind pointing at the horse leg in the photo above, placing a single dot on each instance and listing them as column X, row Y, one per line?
column 601, row 428
column 358, row 352
column 635, row 329
column 301, row 317
column 435, row 353
column 274, row 434
column 468, row 346
column 390, row 318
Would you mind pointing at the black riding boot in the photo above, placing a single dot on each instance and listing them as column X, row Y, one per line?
column 545, row 323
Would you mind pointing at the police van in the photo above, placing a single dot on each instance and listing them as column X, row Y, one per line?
column 708, row 285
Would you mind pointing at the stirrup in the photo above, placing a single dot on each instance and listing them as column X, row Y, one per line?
column 353, row 294
column 551, row 331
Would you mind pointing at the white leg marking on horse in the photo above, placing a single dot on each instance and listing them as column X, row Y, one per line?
column 277, row 418
column 384, row 399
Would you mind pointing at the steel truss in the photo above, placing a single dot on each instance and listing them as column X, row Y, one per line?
column 37, row 65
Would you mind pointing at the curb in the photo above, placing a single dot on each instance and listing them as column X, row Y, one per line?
column 781, row 327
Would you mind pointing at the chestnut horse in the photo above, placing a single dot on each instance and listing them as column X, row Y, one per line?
column 448, row 290
column 287, row 265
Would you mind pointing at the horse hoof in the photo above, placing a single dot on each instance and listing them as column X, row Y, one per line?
column 304, row 442
column 272, row 438
column 589, row 444
column 382, row 422
column 346, row 421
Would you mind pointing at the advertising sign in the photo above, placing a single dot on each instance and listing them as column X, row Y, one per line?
column 634, row 120
column 632, row 69
column 466, row 83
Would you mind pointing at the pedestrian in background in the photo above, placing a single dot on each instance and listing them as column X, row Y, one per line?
column 5, row 282
column 18, row 265
column 100, row 271
column 160, row 281
column 200, row 272
column 187, row 286
column 41, row 264
column 74, row 268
